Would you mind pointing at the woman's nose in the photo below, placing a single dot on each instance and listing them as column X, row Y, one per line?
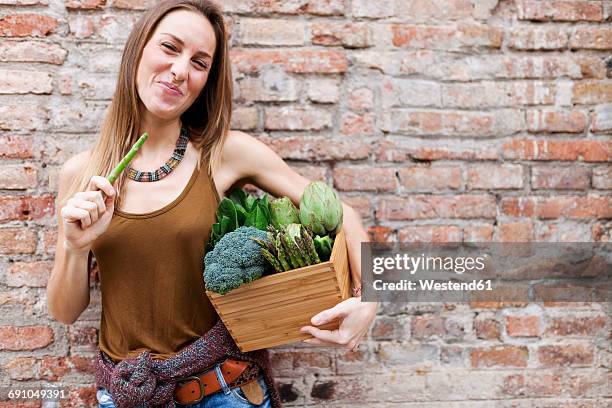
column 180, row 68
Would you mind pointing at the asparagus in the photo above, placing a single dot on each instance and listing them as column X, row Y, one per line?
column 281, row 254
column 112, row 177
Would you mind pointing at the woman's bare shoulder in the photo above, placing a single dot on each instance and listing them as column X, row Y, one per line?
column 73, row 166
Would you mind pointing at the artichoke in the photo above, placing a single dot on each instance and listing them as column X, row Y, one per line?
column 283, row 212
column 320, row 209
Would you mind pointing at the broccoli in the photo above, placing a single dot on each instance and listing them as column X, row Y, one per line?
column 235, row 259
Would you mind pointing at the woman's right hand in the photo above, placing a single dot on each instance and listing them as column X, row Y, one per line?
column 87, row 214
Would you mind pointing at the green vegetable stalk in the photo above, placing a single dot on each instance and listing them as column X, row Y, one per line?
column 112, row 177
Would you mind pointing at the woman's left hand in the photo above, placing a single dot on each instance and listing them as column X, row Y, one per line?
column 355, row 320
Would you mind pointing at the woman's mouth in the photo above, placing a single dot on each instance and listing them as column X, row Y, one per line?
column 170, row 89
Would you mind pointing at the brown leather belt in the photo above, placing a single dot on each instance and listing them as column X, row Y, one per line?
column 193, row 389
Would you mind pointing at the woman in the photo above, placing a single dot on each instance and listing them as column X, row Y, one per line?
column 148, row 231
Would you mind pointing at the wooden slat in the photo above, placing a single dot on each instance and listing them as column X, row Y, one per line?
column 281, row 289
column 277, row 278
column 303, row 309
column 253, row 308
column 283, row 338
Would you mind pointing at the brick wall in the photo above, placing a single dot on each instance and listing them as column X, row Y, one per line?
column 438, row 120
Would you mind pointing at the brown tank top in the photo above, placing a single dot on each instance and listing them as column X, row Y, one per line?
column 151, row 267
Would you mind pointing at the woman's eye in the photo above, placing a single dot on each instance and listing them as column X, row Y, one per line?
column 169, row 46
column 201, row 64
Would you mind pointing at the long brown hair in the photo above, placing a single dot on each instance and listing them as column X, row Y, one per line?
column 207, row 119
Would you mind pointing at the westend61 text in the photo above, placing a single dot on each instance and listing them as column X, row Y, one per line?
column 432, row 285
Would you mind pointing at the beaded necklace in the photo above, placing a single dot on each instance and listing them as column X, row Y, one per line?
column 168, row 166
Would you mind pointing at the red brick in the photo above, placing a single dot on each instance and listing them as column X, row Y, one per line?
column 22, row 117
column 323, row 90
column 426, row 206
column 294, row 118
column 133, row 4
column 438, row 10
column 494, row 94
column 589, row 207
column 501, row 356
column 445, row 123
column 431, row 178
column 387, row 328
column 380, row 233
column 17, row 241
column 495, row 176
column 21, row 368
column 318, row 148
column 373, row 9
column 327, row 7
column 523, row 326
column 296, row 61
column 424, row 327
column 409, row 92
column 26, row 207
column 602, row 177
column 576, row 325
column 548, row 10
column 49, row 240
column 32, row 274
column 32, row 51
column 273, row 86
column 17, row 177
column 566, row 355
column 521, row 231
column 349, row 35
column 487, row 328
column 360, row 99
column 82, row 364
column 518, row 206
column 24, row 2
column 560, row 178
column 396, row 152
column 364, row 178
column 25, row 338
column 446, row 37
column 430, row 233
column 82, row 26
column 548, row 121
column 259, row 31
column 53, row 368
column 601, row 119
column 468, row 68
column 563, row 150
column 83, row 336
column 81, row 396
column 245, row 118
column 312, row 172
column 84, row 4
column 535, row 39
column 478, row 233
column 353, row 124
column 563, row 231
column 592, row 38
column 27, row 25
column 592, row 92
column 311, row 359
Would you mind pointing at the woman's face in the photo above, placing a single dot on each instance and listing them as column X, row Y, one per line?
column 175, row 63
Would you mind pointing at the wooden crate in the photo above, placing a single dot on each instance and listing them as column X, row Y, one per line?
column 271, row 310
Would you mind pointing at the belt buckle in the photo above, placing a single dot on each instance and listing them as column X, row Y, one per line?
column 187, row 379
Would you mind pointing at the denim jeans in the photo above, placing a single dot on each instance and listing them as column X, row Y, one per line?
column 225, row 398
